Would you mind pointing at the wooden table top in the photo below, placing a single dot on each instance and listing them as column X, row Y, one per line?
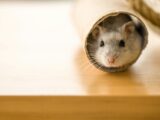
column 41, row 54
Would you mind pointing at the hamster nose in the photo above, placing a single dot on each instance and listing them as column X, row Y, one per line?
column 111, row 60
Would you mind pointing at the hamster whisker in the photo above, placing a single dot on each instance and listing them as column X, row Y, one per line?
column 92, row 65
column 93, row 61
column 83, row 64
column 95, row 64
column 92, row 58
column 88, row 66
column 99, row 67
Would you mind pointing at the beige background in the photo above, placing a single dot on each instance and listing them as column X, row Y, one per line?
column 41, row 54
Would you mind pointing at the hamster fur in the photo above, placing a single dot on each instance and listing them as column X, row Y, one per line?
column 116, row 48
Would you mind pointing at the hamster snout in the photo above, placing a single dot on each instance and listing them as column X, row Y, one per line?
column 111, row 59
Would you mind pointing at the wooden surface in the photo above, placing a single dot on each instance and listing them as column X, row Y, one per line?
column 79, row 108
column 41, row 54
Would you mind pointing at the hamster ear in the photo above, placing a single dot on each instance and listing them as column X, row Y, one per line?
column 97, row 31
column 128, row 28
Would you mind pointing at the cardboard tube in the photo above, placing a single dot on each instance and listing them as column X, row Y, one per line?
column 90, row 13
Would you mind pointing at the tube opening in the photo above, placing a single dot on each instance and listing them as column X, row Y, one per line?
column 108, row 38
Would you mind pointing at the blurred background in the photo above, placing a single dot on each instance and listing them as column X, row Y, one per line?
column 42, row 54
column 38, row 43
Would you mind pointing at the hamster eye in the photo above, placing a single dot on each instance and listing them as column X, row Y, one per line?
column 121, row 43
column 102, row 43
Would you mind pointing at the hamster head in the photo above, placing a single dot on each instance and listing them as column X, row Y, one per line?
column 116, row 48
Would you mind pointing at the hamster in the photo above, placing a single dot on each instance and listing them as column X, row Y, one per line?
column 114, row 22
column 116, row 47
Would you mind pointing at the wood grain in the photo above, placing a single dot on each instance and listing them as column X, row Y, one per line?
column 79, row 108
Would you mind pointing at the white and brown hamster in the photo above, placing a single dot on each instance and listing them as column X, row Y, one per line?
column 116, row 46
